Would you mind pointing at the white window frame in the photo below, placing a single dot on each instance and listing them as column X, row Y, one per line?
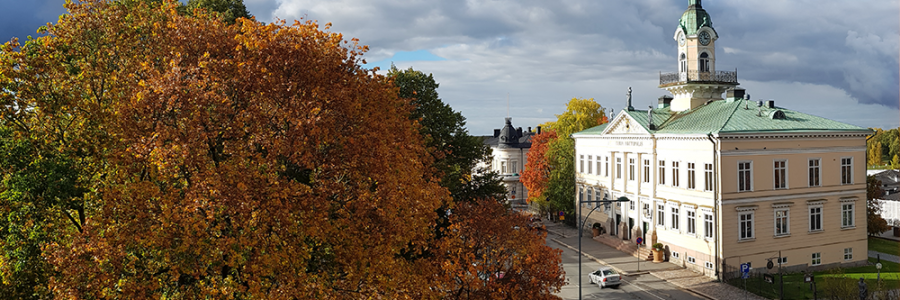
column 691, row 260
column 708, row 175
column 646, row 170
column 816, row 259
column 786, row 217
column 675, row 165
column 690, row 220
column 675, row 254
column 848, row 254
column 675, row 214
column 746, row 216
column 662, row 172
column 848, row 214
column 599, row 163
column 708, row 265
column 660, row 214
column 783, row 170
column 514, row 166
column 815, row 172
column 631, row 169
column 691, row 175
column 581, row 163
column 782, row 260
column 815, row 211
column 606, row 166
column 846, row 170
column 708, row 224
column 618, row 168
column 631, row 205
column 590, row 163
column 745, row 173
column 503, row 168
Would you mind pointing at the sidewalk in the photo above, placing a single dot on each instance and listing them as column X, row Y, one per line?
column 627, row 265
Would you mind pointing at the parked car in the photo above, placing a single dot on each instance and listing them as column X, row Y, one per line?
column 605, row 277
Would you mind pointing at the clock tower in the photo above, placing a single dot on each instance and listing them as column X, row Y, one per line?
column 696, row 80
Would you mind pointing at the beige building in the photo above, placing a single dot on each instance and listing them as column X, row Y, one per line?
column 726, row 180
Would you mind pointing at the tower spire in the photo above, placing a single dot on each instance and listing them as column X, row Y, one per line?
column 694, row 3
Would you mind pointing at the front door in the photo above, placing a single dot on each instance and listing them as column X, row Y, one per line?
column 618, row 222
column 644, row 232
column 630, row 226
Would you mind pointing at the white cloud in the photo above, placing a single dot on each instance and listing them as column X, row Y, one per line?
column 838, row 58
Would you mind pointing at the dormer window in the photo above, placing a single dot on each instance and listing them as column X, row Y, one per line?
column 704, row 62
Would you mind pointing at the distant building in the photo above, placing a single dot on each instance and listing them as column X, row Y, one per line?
column 722, row 181
column 510, row 147
column 890, row 182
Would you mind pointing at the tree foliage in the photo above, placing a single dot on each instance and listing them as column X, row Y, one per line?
column 875, row 223
column 228, row 10
column 148, row 153
column 881, row 148
column 536, row 175
column 580, row 114
column 503, row 259
column 455, row 153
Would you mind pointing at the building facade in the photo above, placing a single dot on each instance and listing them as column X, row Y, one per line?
column 509, row 148
column 722, row 181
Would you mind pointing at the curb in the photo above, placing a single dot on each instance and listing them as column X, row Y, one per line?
column 624, row 273
column 692, row 291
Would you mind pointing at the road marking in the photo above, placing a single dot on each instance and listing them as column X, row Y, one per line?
column 635, row 284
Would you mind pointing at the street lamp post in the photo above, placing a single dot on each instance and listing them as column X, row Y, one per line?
column 581, row 230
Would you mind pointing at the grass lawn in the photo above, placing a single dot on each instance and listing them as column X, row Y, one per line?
column 884, row 246
column 795, row 288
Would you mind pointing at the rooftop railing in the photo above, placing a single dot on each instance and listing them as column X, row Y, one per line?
column 697, row 76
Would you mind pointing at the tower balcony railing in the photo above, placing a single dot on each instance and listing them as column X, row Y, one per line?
column 698, row 76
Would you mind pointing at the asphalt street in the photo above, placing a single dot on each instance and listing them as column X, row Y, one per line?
column 642, row 286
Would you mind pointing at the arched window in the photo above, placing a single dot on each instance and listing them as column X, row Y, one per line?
column 682, row 63
column 704, row 62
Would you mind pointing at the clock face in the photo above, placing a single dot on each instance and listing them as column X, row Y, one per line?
column 704, row 38
column 681, row 39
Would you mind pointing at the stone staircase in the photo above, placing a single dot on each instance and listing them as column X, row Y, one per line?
column 626, row 246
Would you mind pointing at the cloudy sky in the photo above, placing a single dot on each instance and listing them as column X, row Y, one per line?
column 837, row 59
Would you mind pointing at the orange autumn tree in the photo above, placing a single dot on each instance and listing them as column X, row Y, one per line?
column 537, row 170
column 196, row 159
column 248, row 161
column 490, row 253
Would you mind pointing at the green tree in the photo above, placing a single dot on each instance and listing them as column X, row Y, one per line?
column 580, row 114
column 895, row 162
column 229, row 10
column 456, row 153
column 875, row 224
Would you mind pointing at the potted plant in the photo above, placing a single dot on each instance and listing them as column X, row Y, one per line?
column 658, row 252
column 596, row 228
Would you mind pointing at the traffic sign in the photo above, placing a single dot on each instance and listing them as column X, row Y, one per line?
column 640, row 241
column 745, row 270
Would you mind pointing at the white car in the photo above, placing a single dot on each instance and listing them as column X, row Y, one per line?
column 605, row 277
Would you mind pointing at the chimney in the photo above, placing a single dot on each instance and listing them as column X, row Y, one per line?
column 735, row 94
column 770, row 103
column 496, row 132
column 539, row 130
column 664, row 101
column 519, row 131
column 529, row 129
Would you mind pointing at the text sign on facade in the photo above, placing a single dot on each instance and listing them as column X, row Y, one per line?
column 628, row 143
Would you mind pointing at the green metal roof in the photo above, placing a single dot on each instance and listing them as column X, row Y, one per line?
column 694, row 18
column 724, row 117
